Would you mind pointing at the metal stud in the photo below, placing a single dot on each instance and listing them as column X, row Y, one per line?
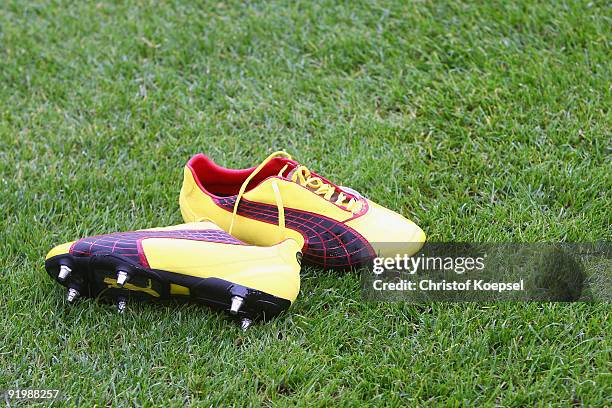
column 72, row 295
column 122, row 277
column 64, row 272
column 121, row 305
column 245, row 323
column 237, row 303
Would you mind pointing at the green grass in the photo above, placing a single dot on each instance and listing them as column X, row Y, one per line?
column 482, row 121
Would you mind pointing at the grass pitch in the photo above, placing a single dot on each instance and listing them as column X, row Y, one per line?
column 484, row 121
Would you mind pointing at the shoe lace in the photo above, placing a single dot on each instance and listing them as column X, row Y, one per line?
column 302, row 176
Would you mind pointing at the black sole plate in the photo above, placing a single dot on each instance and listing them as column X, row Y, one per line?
column 95, row 276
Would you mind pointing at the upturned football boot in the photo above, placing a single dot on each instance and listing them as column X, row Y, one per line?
column 336, row 226
column 197, row 261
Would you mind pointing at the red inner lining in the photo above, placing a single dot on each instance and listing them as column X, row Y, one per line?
column 223, row 182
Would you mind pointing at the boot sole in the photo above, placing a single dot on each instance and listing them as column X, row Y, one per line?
column 95, row 276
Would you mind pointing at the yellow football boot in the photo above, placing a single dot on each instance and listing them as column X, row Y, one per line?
column 197, row 261
column 280, row 198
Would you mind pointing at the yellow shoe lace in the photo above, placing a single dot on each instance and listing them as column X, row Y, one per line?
column 302, row 176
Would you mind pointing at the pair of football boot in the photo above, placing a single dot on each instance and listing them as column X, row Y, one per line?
column 241, row 248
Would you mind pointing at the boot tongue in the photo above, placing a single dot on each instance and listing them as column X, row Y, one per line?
column 288, row 171
column 277, row 166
